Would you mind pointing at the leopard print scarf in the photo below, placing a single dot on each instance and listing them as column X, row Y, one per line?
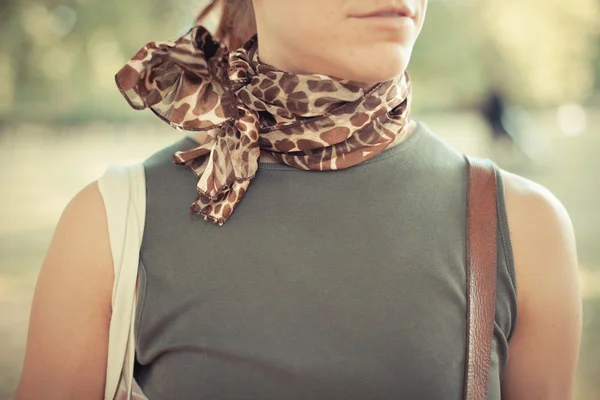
column 239, row 105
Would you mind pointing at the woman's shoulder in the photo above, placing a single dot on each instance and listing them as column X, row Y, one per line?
column 549, row 321
column 531, row 207
column 82, row 231
column 541, row 230
column 71, row 306
column 85, row 213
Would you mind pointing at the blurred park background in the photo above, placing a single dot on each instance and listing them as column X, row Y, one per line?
column 62, row 120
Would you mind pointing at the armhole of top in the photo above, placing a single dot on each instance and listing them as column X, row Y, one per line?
column 142, row 282
column 142, row 276
column 504, row 229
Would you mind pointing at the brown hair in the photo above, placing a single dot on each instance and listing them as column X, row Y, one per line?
column 237, row 23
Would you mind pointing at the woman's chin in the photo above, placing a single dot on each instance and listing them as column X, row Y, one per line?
column 374, row 73
column 372, row 68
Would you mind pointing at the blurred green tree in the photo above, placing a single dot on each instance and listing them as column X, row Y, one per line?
column 551, row 46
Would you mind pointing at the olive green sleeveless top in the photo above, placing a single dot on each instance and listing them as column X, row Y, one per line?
column 344, row 284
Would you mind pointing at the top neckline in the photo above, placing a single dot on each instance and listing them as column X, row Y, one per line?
column 379, row 157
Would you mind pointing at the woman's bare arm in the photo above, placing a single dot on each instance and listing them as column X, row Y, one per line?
column 544, row 348
column 67, row 343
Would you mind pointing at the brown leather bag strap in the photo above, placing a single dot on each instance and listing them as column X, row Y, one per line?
column 481, row 275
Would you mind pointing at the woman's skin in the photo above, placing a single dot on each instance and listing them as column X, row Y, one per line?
column 68, row 332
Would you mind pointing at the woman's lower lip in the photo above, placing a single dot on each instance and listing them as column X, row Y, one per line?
column 389, row 22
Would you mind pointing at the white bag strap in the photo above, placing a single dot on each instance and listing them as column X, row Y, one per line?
column 123, row 189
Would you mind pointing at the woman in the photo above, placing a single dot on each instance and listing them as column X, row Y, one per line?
column 335, row 267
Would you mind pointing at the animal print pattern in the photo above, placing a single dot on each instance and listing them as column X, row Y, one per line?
column 239, row 105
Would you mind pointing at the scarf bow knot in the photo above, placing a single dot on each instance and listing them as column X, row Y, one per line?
column 237, row 105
